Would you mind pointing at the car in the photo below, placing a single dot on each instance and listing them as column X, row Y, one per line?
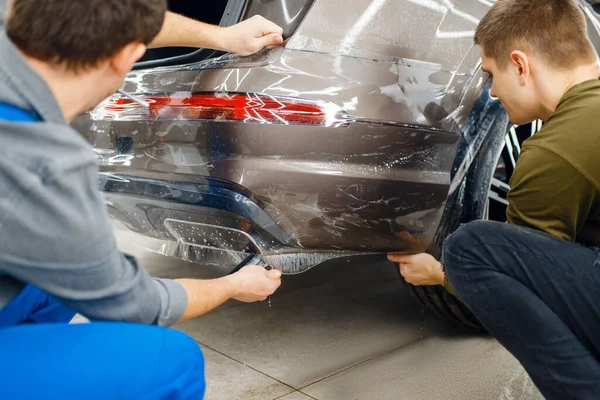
column 371, row 129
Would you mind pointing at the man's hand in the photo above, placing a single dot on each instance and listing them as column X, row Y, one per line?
column 255, row 283
column 419, row 269
column 244, row 38
column 251, row 35
column 251, row 283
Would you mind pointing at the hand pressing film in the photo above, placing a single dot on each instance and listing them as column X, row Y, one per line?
column 249, row 36
column 419, row 269
column 255, row 283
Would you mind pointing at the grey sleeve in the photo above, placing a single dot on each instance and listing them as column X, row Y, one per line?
column 3, row 11
column 60, row 240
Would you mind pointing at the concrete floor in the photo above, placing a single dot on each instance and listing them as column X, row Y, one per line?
column 343, row 331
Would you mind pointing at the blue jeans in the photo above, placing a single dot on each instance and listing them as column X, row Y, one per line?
column 539, row 296
column 42, row 357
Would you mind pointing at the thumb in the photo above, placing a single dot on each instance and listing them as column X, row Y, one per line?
column 272, row 39
column 274, row 274
column 397, row 257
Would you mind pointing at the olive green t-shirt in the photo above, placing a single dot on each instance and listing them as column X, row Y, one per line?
column 556, row 183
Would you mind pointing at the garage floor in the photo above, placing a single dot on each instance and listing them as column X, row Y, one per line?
column 343, row 331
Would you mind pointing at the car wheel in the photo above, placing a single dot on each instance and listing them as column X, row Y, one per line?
column 443, row 304
column 499, row 185
column 436, row 298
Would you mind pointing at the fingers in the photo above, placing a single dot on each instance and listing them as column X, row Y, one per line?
column 274, row 274
column 402, row 268
column 275, row 39
column 268, row 40
column 394, row 258
column 255, row 282
column 275, row 283
column 276, row 286
column 405, row 257
column 405, row 272
column 398, row 257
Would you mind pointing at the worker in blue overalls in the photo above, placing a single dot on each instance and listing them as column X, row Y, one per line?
column 57, row 251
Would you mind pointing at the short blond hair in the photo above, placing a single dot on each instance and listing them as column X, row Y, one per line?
column 554, row 30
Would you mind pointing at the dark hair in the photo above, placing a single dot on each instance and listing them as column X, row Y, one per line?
column 554, row 30
column 81, row 33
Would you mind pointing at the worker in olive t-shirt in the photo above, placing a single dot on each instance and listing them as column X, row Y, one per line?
column 534, row 282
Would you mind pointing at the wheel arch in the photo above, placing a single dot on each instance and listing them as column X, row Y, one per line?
column 480, row 146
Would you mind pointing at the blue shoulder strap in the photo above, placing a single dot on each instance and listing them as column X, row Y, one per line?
column 9, row 112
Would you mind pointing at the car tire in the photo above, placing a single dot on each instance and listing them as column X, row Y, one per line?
column 494, row 176
column 440, row 302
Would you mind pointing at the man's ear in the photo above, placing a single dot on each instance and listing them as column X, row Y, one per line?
column 123, row 60
column 520, row 62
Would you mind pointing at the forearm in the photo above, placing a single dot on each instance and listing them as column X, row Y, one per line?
column 205, row 295
column 178, row 30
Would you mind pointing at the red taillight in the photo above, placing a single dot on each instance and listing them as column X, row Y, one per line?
column 252, row 108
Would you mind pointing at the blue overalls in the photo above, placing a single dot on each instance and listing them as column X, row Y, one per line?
column 43, row 357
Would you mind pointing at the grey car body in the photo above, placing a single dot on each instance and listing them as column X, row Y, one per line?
column 370, row 130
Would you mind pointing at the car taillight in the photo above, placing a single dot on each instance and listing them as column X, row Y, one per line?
column 240, row 107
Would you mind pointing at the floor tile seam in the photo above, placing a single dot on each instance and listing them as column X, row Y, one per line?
column 248, row 366
column 382, row 354
column 295, row 391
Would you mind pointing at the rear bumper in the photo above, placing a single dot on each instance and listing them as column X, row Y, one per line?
column 207, row 224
